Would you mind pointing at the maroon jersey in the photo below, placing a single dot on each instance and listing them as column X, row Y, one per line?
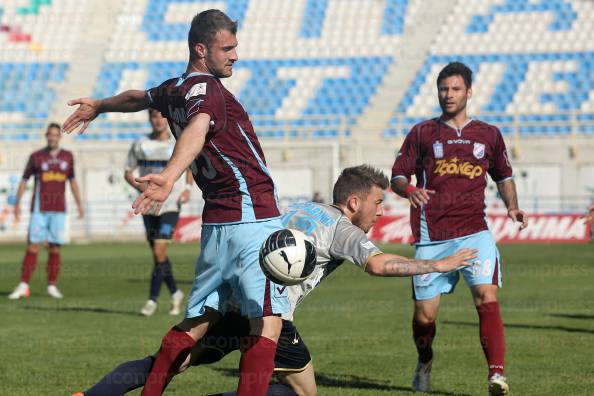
column 455, row 164
column 231, row 170
column 51, row 173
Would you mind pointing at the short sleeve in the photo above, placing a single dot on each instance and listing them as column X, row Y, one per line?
column 29, row 168
column 157, row 97
column 500, row 168
column 132, row 159
column 70, row 175
column 205, row 95
column 405, row 163
column 351, row 243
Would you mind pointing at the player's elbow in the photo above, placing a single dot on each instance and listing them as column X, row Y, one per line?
column 375, row 266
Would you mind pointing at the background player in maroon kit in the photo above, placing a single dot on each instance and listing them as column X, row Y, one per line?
column 451, row 156
column 52, row 166
column 215, row 138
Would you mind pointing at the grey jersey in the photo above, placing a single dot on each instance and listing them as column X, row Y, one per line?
column 336, row 239
column 151, row 156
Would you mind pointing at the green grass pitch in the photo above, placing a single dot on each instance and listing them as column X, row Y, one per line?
column 357, row 327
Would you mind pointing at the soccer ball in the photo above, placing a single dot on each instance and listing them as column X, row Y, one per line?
column 287, row 257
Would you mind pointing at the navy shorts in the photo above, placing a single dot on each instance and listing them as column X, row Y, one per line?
column 226, row 336
column 160, row 227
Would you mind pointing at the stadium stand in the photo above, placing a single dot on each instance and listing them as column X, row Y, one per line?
column 325, row 82
column 311, row 68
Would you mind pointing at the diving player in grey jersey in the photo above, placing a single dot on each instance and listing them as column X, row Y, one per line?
column 339, row 233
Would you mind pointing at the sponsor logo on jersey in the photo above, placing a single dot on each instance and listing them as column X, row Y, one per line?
column 452, row 166
column 44, row 166
column 478, row 150
column 52, row 176
column 458, row 141
column 63, row 165
column 196, row 90
column 438, row 149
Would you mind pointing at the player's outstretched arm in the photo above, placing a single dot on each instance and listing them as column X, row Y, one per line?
column 507, row 190
column 385, row 264
column 159, row 186
column 126, row 102
column 416, row 196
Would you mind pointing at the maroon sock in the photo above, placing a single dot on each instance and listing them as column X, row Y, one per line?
column 492, row 336
column 29, row 264
column 175, row 347
column 256, row 366
column 423, row 335
column 53, row 268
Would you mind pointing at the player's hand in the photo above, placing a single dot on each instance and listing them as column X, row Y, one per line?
column 157, row 190
column 589, row 216
column 87, row 111
column 184, row 197
column 420, row 196
column 519, row 216
column 81, row 212
column 461, row 258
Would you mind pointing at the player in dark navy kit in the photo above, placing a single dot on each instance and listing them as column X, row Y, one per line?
column 451, row 156
column 52, row 167
column 338, row 232
column 216, row 140
column 150, row 154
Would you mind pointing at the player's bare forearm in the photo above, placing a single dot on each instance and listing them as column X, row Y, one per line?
column 76, row 193
column 20, row 192
column 507, row 190
column 416, row 196
column 393, row 265
column 188, row 146
column 189, row 177
column 399, row 185
column 129, row 177
column 129, row 101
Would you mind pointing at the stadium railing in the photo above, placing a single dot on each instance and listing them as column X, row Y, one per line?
column 327, row 127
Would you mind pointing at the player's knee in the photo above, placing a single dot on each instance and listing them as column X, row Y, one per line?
column 269, row 327
column 425, row 318
column 160, row 252
column 33, row 248
column 53, row 248
column 484, row 295
column 301, row 386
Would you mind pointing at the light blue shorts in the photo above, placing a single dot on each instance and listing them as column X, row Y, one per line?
column 47, row 226
column 228, row 268
column 484, row 271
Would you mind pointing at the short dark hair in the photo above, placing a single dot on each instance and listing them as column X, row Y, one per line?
column 205, row 26
column 456, row 69
column 53, row 125
column 357, row 180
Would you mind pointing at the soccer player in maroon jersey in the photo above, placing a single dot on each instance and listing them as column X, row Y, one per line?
column 52, row 166
column 451, row 156
column 216, row 140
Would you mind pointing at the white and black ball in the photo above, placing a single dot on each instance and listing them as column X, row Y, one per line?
column 287, row 257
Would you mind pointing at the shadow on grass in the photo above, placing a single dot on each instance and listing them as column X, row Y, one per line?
column 525, row 326
column 573, row 316
column 349, row 382
column 81, row 309
column 4, row 293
